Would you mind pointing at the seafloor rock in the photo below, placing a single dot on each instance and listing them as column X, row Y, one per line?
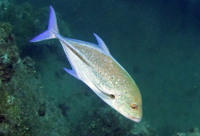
column 192, row 132
column 109, row 124
column 4, row 5
column 24, row 108
column 9, row 53
column 27, row 20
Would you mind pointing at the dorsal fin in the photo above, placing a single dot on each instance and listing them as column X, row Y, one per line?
column 101, row 44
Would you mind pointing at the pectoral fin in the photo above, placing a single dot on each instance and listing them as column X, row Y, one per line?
column 71, row 72
column 110, row 96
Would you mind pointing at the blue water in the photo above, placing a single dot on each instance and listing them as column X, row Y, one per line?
column 157, row 42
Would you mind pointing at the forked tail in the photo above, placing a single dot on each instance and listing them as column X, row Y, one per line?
column 52, row 30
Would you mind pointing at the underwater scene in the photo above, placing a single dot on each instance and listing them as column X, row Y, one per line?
column 54, row 85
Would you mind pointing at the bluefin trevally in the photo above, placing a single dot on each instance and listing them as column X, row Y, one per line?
column 94, row 65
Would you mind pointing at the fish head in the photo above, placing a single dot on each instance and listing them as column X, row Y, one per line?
column 130, row 105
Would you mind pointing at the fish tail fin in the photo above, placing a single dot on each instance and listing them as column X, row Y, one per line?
column 52, row 30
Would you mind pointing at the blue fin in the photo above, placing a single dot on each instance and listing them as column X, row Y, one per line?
column 52, row 28
column 101, row 44
column 71, row 72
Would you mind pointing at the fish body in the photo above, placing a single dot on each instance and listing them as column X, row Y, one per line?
column 94, row 65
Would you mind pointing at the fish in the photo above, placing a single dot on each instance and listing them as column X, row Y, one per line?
column 96, row 67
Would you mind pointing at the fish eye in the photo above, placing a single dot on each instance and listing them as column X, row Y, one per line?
column 133, row 106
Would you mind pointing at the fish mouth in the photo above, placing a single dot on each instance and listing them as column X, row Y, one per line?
column 136, row 119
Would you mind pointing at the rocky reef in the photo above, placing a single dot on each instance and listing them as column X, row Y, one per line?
column 29, row 20
column 24, row 108
column 4, row 5
column 9, row 53
column 192, row 132
column 109, row 125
